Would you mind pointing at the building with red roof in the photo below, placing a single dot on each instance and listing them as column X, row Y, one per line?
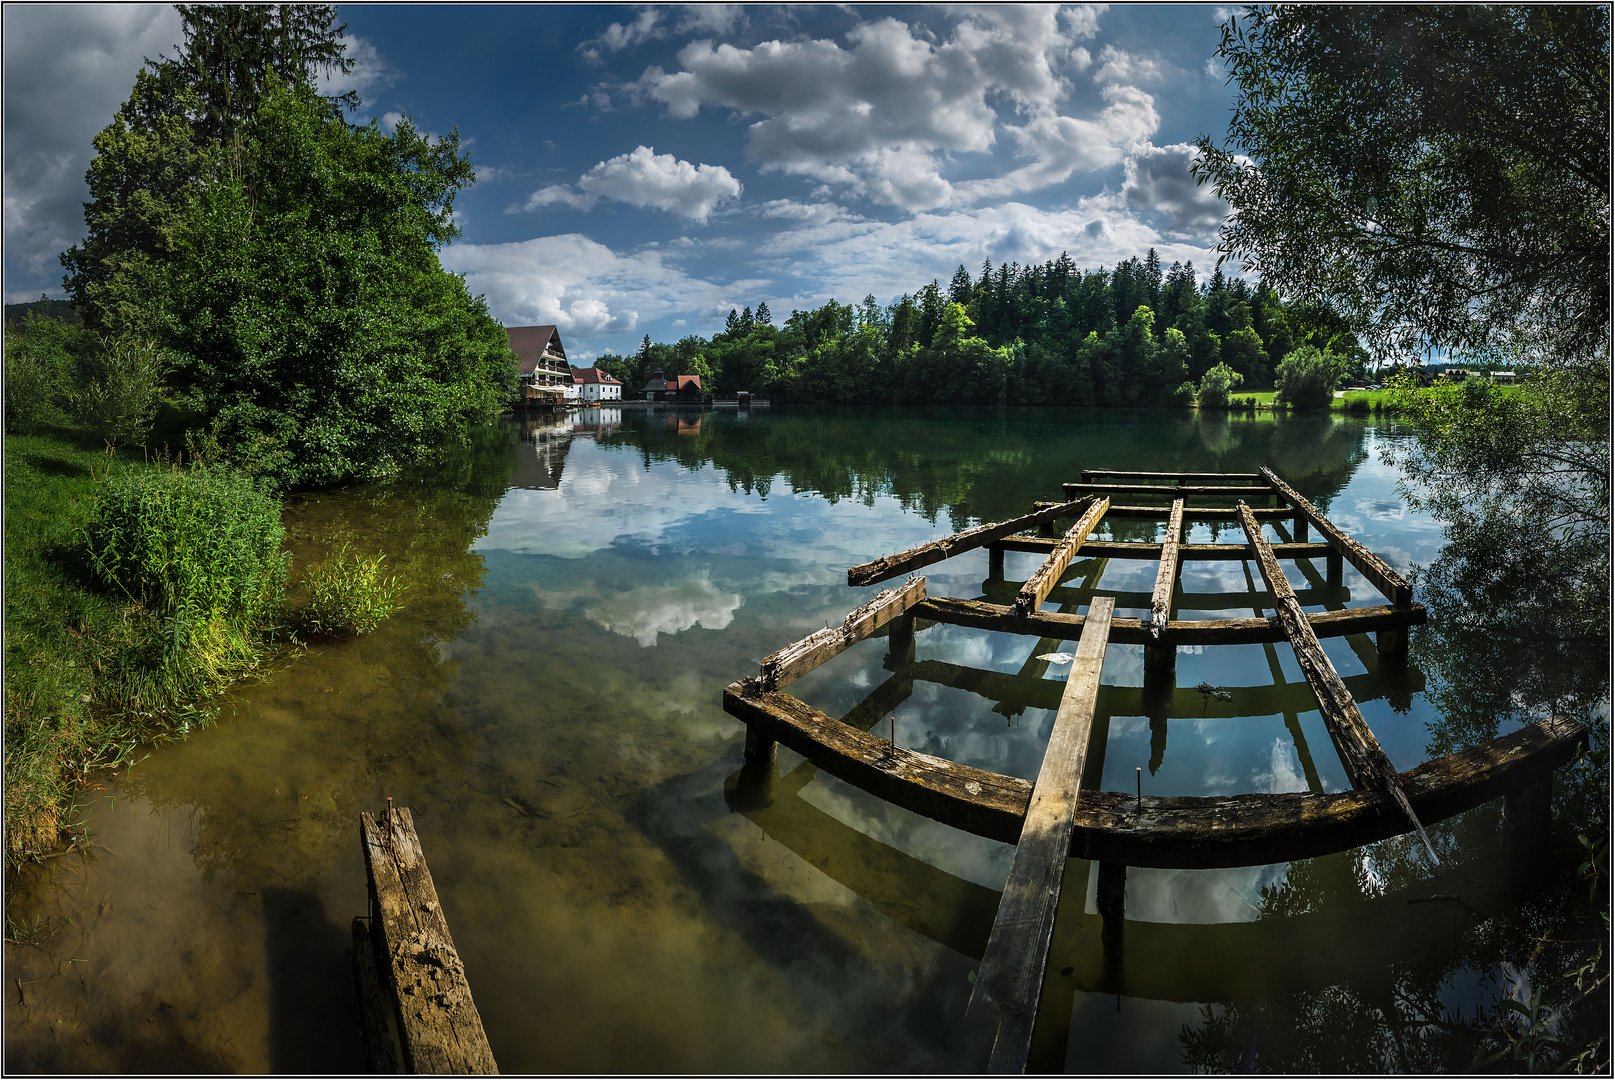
column 596, row 385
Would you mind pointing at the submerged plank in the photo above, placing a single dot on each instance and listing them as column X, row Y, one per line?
column 1129, row 549
column 1133, row 474
column 1360, row 752
column 1170, row 832
column 1166, row 577
column 796, row 660
column 1331, row 595
column 1131, row 631
column 1048, row 575
column 1193, row 513
column 1073, row 490
column 904, row 562
column 438, row 1024
column 1010, row 980
column 1394, row 586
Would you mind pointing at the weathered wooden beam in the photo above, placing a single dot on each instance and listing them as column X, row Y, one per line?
column 1048, row 575
column 373, row 1006
column 1010, row 980
column 438, row 1024
column 1166, row 578
column 904, row 562
column 794, row 661
column 1185, row 702
column 1131, row 474
column 1079, row 595
column 1129, row 549
column 1192, row 513
column 1360, row 752
column 1170, row 490
column 1394, row 586
column 1126, row 630
column 1166, row 832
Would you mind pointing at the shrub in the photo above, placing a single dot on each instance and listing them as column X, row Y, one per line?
column 1184, row 394
column 1356, row 405
column 120, row 402
column 45, row 359
column 1215, row 385
column 348, row 595
column 1307, row 378
column 195, row 544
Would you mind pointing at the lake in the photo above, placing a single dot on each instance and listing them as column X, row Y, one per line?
column 548, row 705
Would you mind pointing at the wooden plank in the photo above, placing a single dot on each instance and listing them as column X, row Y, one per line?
column 1072, row 594
column 1132, row 474
column 1128, row 549
column 904, row 562
column 1166, row 577
column 1010, row 980
column 1125, row 630
column 1192, row 513
column 1394, row 586
column 1165, row 832
column 1048, row 575
column 438, row 1024
column 1020, row 692
column 794, row 661
column 373, row 1006
column 1360, row 752
column 1073, row 490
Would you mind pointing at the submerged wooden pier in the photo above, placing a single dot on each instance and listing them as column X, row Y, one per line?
column 1063, row 814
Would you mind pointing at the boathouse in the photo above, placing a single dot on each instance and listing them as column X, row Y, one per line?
column 678, row 388
column 541, row 363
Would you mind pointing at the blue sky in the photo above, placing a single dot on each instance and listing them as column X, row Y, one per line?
column 643, row 169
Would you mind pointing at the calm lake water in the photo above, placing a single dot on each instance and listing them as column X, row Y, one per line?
column 548, row 705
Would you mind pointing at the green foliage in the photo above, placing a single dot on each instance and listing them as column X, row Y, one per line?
column 121, row 400
column 1438, row 173
column 45, row 359
column 348, row 595
column 286, row 261
column 1215, row 386
column 196, row 544
column 1307, row 378
column 1184, row 394
column 1242, row 350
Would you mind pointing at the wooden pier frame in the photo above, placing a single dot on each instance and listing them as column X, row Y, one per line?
column 439, row 1028
column 1059, row 817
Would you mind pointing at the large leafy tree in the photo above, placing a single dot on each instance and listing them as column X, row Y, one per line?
column 1439, row 173
column 286, row 259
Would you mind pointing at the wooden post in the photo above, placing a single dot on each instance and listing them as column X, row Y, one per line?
column 1010, row 979
column 900, row 639
column 995, row 562
column 1160, row 664
column 1392, row 644
column 438, row 1024
column 1528, row 828
column 1112, row 903
column 784, row 667
column 1334, row 570
column 760, row 749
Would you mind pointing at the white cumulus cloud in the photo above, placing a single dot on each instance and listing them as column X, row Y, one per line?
column 1158, row 179
column 645, row 178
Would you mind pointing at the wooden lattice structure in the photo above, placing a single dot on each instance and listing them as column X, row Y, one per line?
column 1063, row 814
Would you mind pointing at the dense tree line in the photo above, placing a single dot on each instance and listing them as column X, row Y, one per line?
column 1027, row 335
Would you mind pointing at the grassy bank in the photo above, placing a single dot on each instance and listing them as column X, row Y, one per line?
column 137, row 589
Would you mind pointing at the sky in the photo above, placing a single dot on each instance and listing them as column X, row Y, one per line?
column 645, row 169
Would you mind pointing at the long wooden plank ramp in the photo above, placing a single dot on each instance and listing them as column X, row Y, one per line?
column 438, row 1024
column 1394, row 586
column 1010, row 980
column 1166, row 577
column 796, row 660
column 1360, row 752
column 1047, row 576
column 904, row 562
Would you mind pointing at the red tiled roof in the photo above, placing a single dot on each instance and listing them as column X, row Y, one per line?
column 689, row 380
column 593, row 375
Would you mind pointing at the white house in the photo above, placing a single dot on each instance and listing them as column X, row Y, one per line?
column 595, row 385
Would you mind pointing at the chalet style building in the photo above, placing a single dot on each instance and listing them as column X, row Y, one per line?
column 594, row 385
column 678, row 388
column 541, row 362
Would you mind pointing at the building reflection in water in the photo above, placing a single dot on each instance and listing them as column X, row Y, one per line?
column 549, row 437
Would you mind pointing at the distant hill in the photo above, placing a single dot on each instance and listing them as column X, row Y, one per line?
column 54, row 309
